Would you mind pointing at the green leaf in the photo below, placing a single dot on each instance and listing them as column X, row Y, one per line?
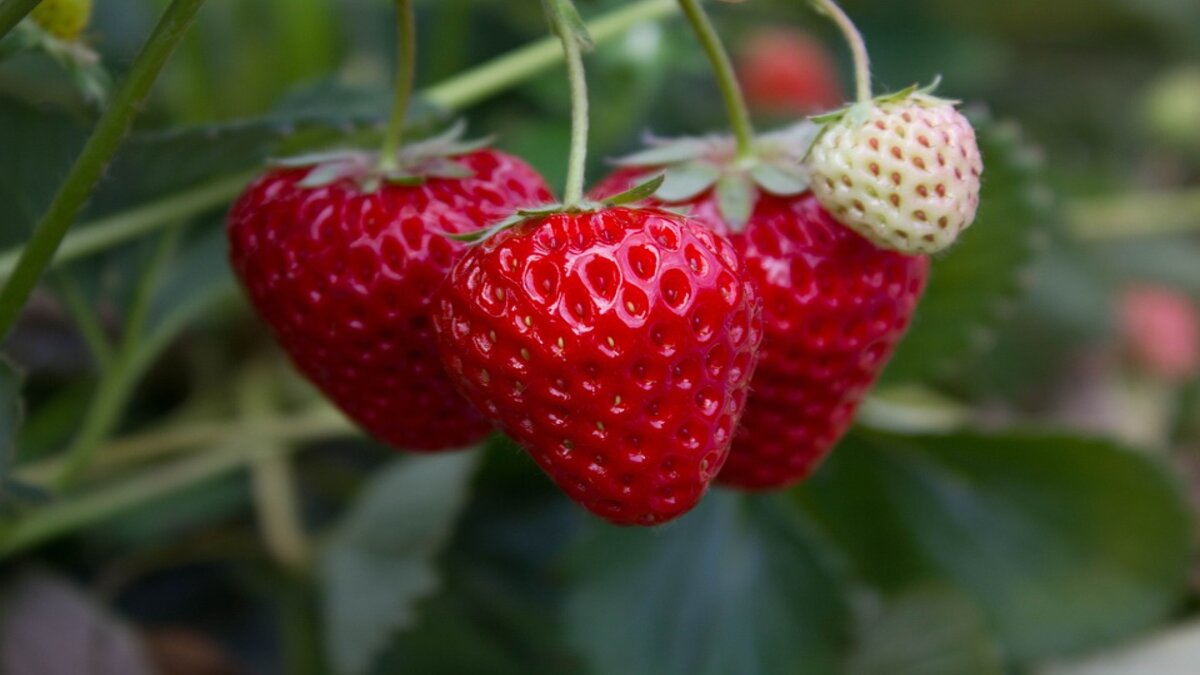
column 685, row 181
column 740, row 585
column 636, row 193
column 1065, row 543
column 380, row 560
column 778, row 180
column 735, row 199
column 973, row 285
column 930, row 630
column 662, row 153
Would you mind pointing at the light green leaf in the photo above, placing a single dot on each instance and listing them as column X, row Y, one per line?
column 636, row 193
column 379, row 562
column 1065, row 543
column 735, row 199
column 684, row 181
column 779, row 181
column 740, row 585
column 666, row 152
column 930, row 630
column 972, row 285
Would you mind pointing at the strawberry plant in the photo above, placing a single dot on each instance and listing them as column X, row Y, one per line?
column 299, row 377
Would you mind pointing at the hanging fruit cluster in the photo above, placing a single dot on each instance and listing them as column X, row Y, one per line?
column 714, row 310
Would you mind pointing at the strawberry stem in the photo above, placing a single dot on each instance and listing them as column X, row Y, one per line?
column 561, row 14
column 12, row 11
column 85, row 173
column 406, row 58
column 731, row 91
column 862, row 63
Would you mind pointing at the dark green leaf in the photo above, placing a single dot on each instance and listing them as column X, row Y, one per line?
column 740, row 585
column 636, row 193
column 379, row 562
column 1065, row 543
column 684, row 181
column 930, row 630
column 735, row 199
column 975, row 282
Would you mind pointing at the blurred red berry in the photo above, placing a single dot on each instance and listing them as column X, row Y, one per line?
column 1160, row 329
column 788, row 71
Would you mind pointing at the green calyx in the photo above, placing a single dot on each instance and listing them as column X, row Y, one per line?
column 414, row 164
column 858, row 112
column 634, row 194
column 691, row 166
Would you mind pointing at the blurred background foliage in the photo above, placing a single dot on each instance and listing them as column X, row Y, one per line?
column 1018, row 497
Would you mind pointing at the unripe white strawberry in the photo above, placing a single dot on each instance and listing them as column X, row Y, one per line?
column 902, row 171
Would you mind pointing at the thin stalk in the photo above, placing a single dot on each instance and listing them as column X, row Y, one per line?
column 502, row 72
column 86, row 321
column 406, row 59
column 12, row 11
column 104, row 233
column 273, row 482
column 862, row 63
column 118, row 381
column 69, row 514
column 112, row 128
column 722, row 67
column 573, row 55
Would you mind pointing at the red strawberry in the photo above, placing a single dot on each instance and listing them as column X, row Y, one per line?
column 615, row 345
column 788, row 72
column 345, row 275
column 834, row 308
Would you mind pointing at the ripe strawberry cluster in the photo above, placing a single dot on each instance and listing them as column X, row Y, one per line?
column 712, row 312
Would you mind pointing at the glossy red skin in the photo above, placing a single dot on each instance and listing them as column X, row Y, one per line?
column 834, row 308
column 346, row 279
column 636, row 429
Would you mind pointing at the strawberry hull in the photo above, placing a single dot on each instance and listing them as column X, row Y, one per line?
column 615, row 346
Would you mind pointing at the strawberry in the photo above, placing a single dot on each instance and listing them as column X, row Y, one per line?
column 834, row 304
column 787, row 72
column 615, row 345
column 901, row 170
column 1160, row 330
column 64, row 19
column 343, row 263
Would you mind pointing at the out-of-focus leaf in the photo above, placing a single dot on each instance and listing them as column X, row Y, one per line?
column 740, row 585
column 930, row 630
column 1175, row 652
column 973, row 284
column 379, row 562
column 1065, row 543
column 38, row 148
column 47, row 626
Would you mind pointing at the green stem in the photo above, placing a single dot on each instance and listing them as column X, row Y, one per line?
column 86, row 321
column 561, row 23
column 69, row 514
column 118, row 381
column 12, row 11
column 525, row 62
column 406, row 58
column 114, row 124
column 1134, row 214
column 862, row 63
column 731, row 91
column 98, row 235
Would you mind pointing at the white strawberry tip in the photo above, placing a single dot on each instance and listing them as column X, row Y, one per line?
column 414, row 164
column 902, row 170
